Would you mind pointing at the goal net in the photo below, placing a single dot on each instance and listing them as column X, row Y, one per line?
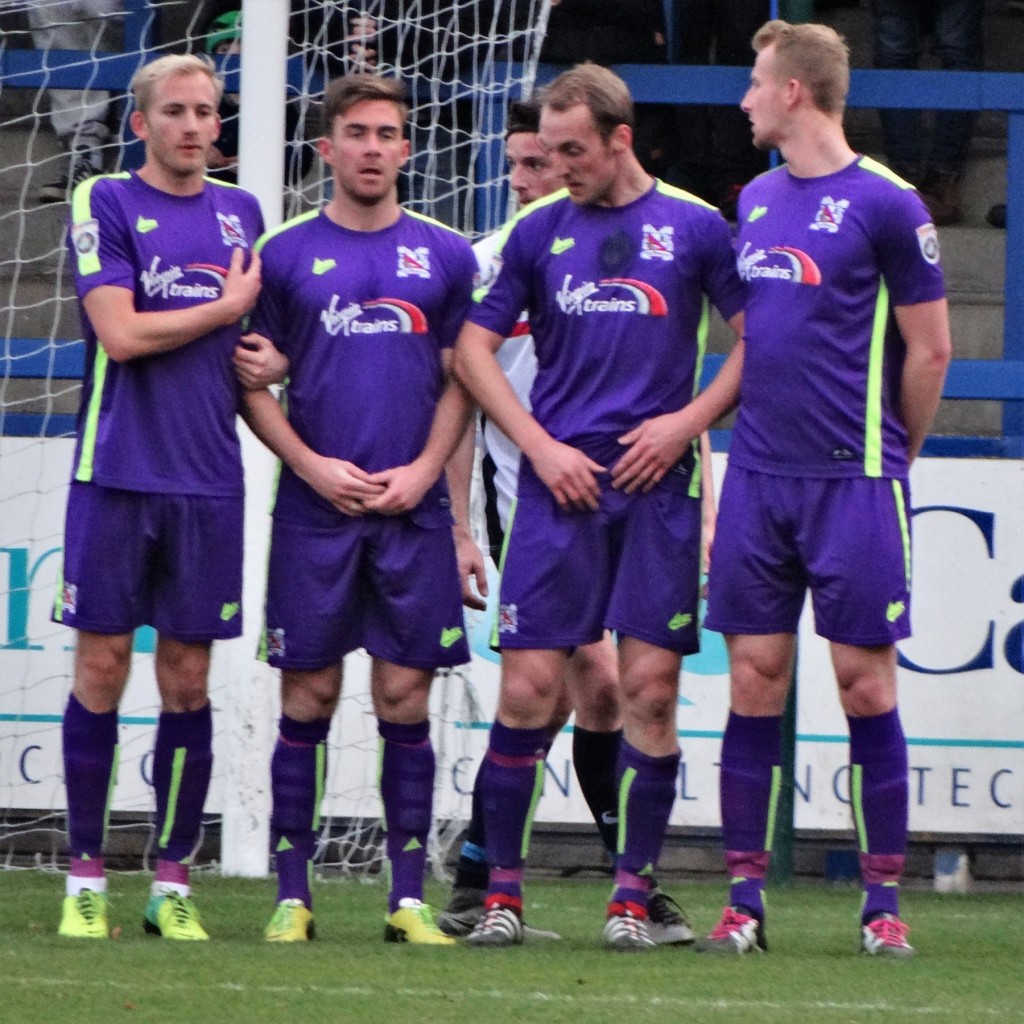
column 63, row 106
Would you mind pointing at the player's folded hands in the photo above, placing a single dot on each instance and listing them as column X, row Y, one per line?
column 654, row 447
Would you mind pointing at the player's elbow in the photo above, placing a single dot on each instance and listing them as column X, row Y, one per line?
column 118, row 346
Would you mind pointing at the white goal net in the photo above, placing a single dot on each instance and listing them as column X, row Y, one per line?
column 63, row 110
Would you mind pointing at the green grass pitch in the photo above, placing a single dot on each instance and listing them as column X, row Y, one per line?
column 969, row 968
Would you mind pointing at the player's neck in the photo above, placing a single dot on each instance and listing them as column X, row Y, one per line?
column 816, row 148
column 355, row 216
column 160, row 178
column 629, row 186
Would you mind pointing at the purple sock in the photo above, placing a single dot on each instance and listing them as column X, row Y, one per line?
column 749, row 790
column 407, row 792
column 879, row 798
column 647, row 790
column 90, row 771
column 297, row 771
column 182, row 761
column 513, row 784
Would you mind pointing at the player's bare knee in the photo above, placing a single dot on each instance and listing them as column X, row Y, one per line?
column 102, row 664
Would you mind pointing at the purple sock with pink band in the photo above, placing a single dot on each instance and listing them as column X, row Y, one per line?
column 879, row 797
column 647, row 790
column 407, row 792
column 90, row 746
column 749, row 780
column 512, row 782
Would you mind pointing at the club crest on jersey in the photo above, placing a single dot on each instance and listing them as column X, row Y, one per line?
column 830, row 215
column 928, row 240
column 508, row 618
column 69, row 598
column 231, row 231
column 414, row 262
column 275, row 643
column 657, row 243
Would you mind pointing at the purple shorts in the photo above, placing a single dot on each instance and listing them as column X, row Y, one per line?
column 847, row 540
column 134, row 558
column 378, row 582
column 633, row 567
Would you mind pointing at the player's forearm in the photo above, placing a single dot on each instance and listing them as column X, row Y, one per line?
column 481, row 374
column 459, row 470
column 924, row 374
column 447, row 431
column 720, row 397
column 925, row 330
column 127, row 334
column 266, row 419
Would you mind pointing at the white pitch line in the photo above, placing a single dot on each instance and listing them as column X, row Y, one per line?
column 503, row 995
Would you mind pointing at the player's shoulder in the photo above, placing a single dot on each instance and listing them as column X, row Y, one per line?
column 236, row 193
column 687, row 200
column 888, row 197
column 883, row 178
column 91, row 192
column 421, row 229
column 291, row 230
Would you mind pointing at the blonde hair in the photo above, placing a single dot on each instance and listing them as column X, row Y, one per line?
column 184, row 65
column 815, row 55
column 601, row 91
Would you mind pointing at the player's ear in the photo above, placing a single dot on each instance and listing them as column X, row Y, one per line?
column 323, row 147
column 406, row 150
column 138, row 122
column 621, row 138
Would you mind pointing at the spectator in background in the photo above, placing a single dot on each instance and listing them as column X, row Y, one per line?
column 719, row 157
column 78, row 116
column 619, row 32
column 223, row 37
column 900, row 28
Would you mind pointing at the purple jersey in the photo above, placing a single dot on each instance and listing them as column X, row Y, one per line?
column 165, row 423
column 617, row 302
column 363, row 317
column 826, row 260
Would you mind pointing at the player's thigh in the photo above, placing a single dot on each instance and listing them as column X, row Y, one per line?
column 197, row 572
column 555, row 576
column 856, row 543
column 756, row 584
column 315, row 594
column 110, row 539
column 413, row 617
column 656, row 573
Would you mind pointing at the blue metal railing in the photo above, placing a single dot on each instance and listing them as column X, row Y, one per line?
column 1001, row 380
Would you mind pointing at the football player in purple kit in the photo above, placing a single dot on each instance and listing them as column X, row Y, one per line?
column 615, row 271
column 590, row 688
column 154, row 521
column 365, row 299
column 838, row 379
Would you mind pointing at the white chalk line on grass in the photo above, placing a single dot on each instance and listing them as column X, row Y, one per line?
column 505, row 995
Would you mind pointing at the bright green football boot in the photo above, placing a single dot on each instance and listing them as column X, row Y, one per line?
column 174, row 917
column 292, row 922
column 85, row 916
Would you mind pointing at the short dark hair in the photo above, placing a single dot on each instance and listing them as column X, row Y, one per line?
column 597, row 88
column 344, row 93
column 523, row 116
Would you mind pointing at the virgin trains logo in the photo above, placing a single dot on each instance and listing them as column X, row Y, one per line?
column 611, row 295
column 378, row 316
column 168, row 282
column 779, row 263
